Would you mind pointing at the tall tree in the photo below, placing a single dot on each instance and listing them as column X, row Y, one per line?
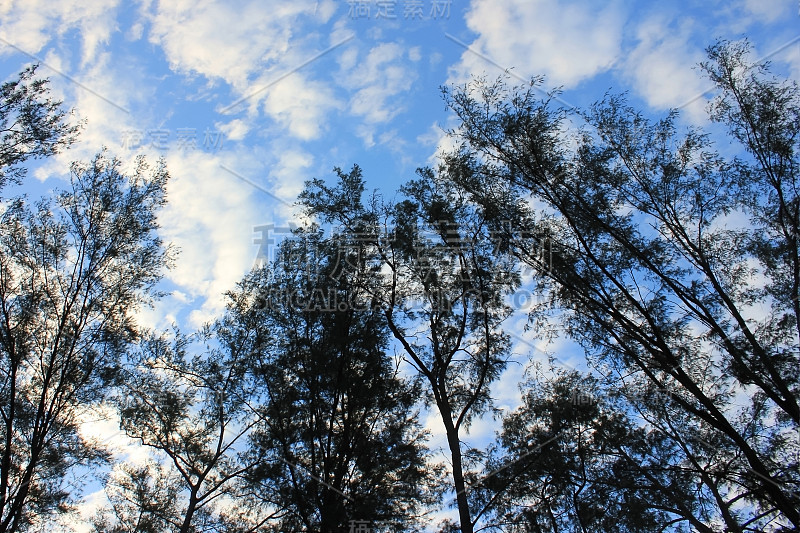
column 571, row 459
column 441, row 292
column 73, row 271
column 194, row 411
column 32, row 125
column 340, row 438
column 674, row 266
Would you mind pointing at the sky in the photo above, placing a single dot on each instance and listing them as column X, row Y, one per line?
column 248, row 99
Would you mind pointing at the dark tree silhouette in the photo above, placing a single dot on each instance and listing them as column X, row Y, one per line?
column 32, row 125
column 571, row 459
column 677, row 268
column 189, row 399
column 440, row 290
column 73, row 271
column 339, row 436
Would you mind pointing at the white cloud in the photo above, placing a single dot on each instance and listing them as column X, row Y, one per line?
column 92, row 87
column 782, row 51
column 792, row 58
column 135, row 32
column 299, row 105
column 105, row 106
column 432, row 423
column 101, row 425
column 377, row 80
column 257, row 51
column 233, row 42
column 234, row 130
column 660, row 68
column 437, row 138
column 210, row 213
column 770, row 10
column 568, row 43
column 210, row 217
column 290, row 173
column 221, row 40
column 324, row 9
column 31, row 24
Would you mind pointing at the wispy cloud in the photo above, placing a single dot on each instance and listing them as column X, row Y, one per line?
column 64, row 75
column 566, row 42
column 286, row 74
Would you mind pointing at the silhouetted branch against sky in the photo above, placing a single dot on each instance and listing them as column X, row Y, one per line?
column 246, row 101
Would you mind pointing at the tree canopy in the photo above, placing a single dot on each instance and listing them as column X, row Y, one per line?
column 73, row 270
column 672, row 259
column 674, row 265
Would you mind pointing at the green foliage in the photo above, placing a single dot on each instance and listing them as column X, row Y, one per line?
column 660, row 248
column 339, row 435
column 440, row 288
column 31, row 124
column 73, row 271
column 195, row 413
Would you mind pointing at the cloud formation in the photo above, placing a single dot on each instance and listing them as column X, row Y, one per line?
column 566, row 42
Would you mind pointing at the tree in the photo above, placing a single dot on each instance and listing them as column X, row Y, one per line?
column 339, row 437
column 141, row 499
column 31, row 124
column 440, row 290
column 675, row 267
column 571, row 459
column 194, row 412
column 73, row 271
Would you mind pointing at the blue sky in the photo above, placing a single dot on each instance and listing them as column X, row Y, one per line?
column 248, row 99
